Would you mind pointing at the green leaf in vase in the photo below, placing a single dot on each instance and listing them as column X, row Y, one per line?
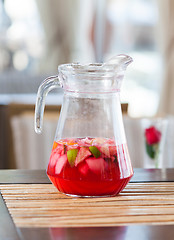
column 152, row 150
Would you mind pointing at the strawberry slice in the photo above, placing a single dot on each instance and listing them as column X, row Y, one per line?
column 85, row 142
column 97, row 141
column 53, row 158
column 60, row 164
column 83, row 168
column 60, row 148
column 96, row 165
column 110, row 142
column 69, row 147
column 112, row 150
column 105, row 150
column 68, row 141
column 83, row 153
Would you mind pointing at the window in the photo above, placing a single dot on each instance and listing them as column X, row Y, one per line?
column 120, row 26
column 133, row 31
column 21, row 41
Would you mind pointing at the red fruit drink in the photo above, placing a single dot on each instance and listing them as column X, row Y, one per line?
column 89, row 166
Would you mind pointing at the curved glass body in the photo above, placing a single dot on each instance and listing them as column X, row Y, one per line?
column 89, row 155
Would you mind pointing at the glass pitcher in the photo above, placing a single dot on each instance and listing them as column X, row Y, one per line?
column 89, row 155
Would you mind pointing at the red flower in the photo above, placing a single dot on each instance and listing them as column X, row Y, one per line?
column 152, row 135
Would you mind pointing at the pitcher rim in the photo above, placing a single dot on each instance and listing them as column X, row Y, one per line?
column 95, row 68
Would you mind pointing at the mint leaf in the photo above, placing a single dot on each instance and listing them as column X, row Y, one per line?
column 94, row 150
column 71, row 155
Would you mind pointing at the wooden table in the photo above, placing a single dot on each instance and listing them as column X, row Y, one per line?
column 31, row 208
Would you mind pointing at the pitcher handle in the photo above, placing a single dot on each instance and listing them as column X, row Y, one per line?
column 47, row 85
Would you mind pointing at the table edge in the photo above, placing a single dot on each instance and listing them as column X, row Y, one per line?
column 14, row 176
column 8, row 229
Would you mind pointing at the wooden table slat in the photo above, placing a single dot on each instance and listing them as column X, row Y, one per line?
column 41, row 205
column 145, row 213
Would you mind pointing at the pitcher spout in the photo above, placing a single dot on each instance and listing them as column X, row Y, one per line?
column 120, row 61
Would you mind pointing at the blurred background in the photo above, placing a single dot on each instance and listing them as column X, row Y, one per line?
column 38, row 35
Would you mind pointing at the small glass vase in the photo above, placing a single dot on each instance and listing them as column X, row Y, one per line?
column 154, row 132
